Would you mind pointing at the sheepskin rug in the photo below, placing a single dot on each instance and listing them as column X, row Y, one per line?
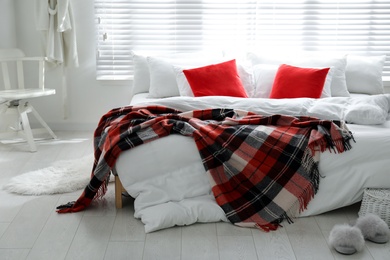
column 61, row 177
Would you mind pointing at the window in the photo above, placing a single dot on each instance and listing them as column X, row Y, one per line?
column 167, row 26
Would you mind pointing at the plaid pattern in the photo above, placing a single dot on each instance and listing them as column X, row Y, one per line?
column 263, row 169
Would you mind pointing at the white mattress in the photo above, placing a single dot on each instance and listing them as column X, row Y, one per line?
column 168, row 180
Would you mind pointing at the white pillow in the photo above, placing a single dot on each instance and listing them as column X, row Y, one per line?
column 141, row 81
column 364, row 74
column 182, row 83
column 338, row 86
column 327, row 90
column 163, row 77
column 264, row 75
column 247, row 79
column 269, row 58
column 181, row 213
column 244, row 71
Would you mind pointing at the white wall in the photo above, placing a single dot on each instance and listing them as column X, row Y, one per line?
column 7, row 21
column 88, row 99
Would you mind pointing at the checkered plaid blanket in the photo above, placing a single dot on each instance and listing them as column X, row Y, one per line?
column 263, row 169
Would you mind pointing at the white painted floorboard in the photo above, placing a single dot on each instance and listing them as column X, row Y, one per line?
column 31, row 229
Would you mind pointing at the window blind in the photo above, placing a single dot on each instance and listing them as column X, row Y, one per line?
column 162, row 26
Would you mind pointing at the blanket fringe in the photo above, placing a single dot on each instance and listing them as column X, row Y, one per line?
column 338, row 145
column 288, row 218
column 275, row 224
column 102, row 189
column 267, row 227
column 311, row 166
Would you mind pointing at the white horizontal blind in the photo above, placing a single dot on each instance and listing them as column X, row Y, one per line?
column 163, row 26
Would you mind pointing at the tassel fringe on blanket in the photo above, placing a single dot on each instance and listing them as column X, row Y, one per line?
column 262, row 169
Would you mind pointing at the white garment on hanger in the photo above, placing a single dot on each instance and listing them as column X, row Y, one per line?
column 55, row 19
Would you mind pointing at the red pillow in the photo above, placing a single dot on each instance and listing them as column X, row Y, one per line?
column 295, row 82
column 216, row 80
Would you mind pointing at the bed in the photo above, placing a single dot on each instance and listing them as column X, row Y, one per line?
column 166, row 176
column 184, row 192
column 174, row 189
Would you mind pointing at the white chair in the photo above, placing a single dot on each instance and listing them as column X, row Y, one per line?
column 13, row 62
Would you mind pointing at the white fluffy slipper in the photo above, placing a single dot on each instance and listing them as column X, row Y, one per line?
column 346, row 239
column 373, row 228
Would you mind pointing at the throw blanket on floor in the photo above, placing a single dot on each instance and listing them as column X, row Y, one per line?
column 263, row 169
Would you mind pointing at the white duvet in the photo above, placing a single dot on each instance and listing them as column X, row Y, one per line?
column 360, row 109
column 167, row 179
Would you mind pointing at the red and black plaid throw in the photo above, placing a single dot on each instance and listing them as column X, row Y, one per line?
column 263, row 169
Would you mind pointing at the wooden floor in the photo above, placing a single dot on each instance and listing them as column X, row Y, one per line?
column 31, row 229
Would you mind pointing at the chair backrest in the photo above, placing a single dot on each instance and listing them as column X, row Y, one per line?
column 12, row 68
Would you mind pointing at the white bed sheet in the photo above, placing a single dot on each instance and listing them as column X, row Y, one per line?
column 170, row 187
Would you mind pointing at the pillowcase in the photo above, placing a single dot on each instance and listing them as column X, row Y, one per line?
column 245, row 73
column 216, row 80
column 264, row 76
column 364, row 74
column 296, row 82
column 163, row 77
column 338, row 64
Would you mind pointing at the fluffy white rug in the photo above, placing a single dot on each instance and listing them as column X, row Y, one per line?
column 61, row 177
